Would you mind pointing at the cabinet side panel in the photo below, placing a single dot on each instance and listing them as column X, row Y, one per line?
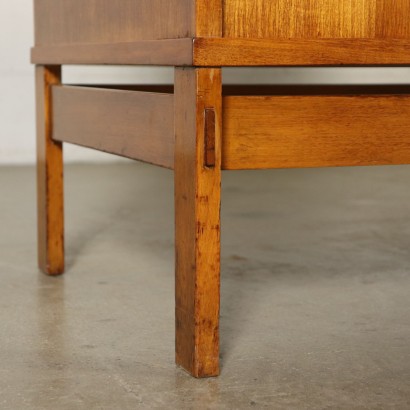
column 110, row 21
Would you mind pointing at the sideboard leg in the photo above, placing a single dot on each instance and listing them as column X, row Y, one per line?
column 198, row 107
column 49, row 177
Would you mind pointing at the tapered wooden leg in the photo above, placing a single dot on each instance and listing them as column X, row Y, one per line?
column 49, row 177
column 198, row 105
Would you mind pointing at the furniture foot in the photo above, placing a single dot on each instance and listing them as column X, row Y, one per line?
column 198, row 105
column 49, row 177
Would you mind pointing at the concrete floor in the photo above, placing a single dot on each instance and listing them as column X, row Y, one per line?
column 315, row 293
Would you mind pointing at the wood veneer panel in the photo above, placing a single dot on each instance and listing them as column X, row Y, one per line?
column 315, row 131
column 109, row 21
column 127, row 123
column 299, row 18
column 316, row 18
column 392, row 20
column 208, row 18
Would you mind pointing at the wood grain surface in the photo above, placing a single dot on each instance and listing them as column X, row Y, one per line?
column 315, row 131
column 208, row 52
column 313, row 19
column 208, row 18
column 137, row 125
column 109, row 21
column 303, row 52
column 197, row 220
column 50, row 201
column 225, row 32
column 144, row 52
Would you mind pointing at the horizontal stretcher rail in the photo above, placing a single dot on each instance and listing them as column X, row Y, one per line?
column 127, row 123
column 315, row 131
column 282, row 127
